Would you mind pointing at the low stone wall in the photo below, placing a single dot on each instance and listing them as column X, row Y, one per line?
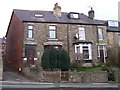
column 55, row 76
column 34, row 73
column 88, row 77
column 51, row 76
column 38, row 74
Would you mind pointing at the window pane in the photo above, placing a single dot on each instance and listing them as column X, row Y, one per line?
column 113, row 23
column 52, row 34
column 30, row 27
column 100, row 34
column 75, row 15
column 52, row 27
column 30, row 34
column 78, row 50
column 30, row 31
column 85, row 52
column 81, row 33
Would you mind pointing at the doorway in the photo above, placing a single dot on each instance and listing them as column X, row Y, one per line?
column 30, row 53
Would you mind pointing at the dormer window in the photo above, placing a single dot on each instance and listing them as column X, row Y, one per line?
column 39, row 15
column 73, row 15
column 113, row 23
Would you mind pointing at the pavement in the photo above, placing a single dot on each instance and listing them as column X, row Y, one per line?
column 11, row 75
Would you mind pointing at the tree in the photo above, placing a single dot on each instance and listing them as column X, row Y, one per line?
column 113, row 56
column 64, row 60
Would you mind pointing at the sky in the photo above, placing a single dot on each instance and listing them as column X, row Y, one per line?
column 104, row 9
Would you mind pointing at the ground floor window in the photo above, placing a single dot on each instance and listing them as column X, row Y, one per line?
column 83, row 52
column 102, row 53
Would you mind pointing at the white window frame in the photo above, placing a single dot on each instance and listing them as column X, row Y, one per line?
column 82, row 33
column 100, row 33
column 113, row 23
column 104, row 49
column 74, row 15
column 52, row 32
column 81, row 50
column 30, row 31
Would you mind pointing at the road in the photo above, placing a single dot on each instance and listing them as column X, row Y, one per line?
column 57, row 86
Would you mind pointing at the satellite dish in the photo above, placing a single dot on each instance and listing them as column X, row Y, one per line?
column 77, row 36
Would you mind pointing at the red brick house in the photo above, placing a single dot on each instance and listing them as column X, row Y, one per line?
column 31, row 31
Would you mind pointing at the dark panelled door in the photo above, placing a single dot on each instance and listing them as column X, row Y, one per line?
column 101, row 56
column 30, row 54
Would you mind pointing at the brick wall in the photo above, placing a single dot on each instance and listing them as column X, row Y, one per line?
column 14, row 40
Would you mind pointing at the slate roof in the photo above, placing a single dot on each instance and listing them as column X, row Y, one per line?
column 48, row 16
column 1, row 40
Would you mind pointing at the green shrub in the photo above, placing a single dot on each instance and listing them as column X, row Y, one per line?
column 113, row 56
column 64, row 60
column 45, row 60
column 55, row 59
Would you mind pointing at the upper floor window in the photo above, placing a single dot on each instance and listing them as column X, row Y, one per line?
column 30, row 31
column 39, row 15
column 73, row 15
column 52, row 32
column 81, row 33
column 100, row 34
column 113, row 23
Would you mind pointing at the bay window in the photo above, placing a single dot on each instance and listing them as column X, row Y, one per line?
column 85, row 50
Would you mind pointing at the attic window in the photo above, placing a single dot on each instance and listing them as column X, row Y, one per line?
column 113, row 23
column 39, row 15
column 73, row 15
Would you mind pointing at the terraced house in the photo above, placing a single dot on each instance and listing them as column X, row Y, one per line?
column 113, row 31
column 31, row 31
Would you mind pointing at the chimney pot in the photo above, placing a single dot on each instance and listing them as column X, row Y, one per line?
column 91, row 13
column 57, row 10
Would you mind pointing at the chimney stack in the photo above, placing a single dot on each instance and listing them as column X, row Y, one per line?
column 57, row 10
column 91, row 13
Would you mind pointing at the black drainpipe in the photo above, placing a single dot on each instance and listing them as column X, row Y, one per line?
column 68, row 44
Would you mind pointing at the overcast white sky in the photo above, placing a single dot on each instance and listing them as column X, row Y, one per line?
column 104, row 9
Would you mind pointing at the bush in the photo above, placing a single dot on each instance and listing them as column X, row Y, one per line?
column 113, row 56
column 45, row 60
column 55, row 59
column 64, row 60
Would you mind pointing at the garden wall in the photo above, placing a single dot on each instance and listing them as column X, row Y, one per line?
column 88, row 77
column 55, row 76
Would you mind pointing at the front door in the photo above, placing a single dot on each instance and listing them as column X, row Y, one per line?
column 30, row 53
column 101, row 56
column 102, row 53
